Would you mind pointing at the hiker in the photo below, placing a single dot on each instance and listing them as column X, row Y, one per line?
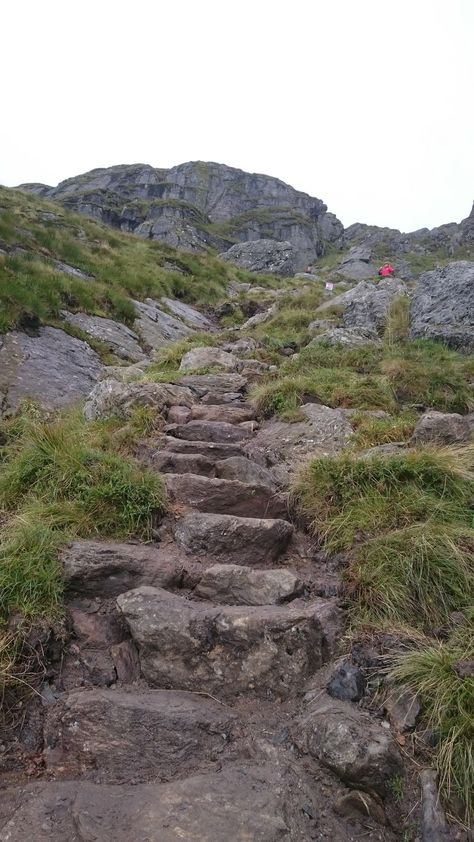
column 386, row 270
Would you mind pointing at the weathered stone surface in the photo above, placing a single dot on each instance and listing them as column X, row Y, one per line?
column 241, row 347
column 225, row 496
column 119, row 339
column 361, row 805
column 442, row 307
column 403, row 708
column 107, row 568
column 27, row 364
column 187, row 314
column 266, row 650
column 125, row 373
column 434, row 826
column 264, row 256
column 116, row 736
column 244, row 470
column 231, row 413
column 445, row 427
column 183, row 463
column 242, row 540
column 239, row 803
column 126, row 663
column 349, row 742
column 214, row 431
column 120, row 399
column 347, row 337
column 322, row 324
column 235, row 585
column 157, row 328
column 217, row 385
column 286, row 445
column 347, row 683
column 178, row 415
column 260, row 318
column 211, row 449
column 209, row 357
column 357, row 265
column 366, row 305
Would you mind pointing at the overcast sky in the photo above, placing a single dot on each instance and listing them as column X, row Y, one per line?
column 367, row 104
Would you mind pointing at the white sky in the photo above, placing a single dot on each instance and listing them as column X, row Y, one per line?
column 367, row 104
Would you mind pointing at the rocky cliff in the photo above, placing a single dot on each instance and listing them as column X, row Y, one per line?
column 200, row 205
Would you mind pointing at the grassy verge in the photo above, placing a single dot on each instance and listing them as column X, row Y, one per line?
column 61, row 480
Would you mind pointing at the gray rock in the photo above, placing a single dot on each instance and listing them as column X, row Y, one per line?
column 369, row 308
column 445, row 427
column 230, row 413
column 357, row 265
column 241, row 347
column 125, row 373
column 260, row 318
column 403, row 708
column 321, row 324
column 213, row 388
column 347, row 337
column 73, row 271
column 212, row 431
column 187, row 314
column 442, row 307
column 111, row 398
column 224, row 496
column 119, row 339
column 107, row 568
column 351, row 744
column 183, row 463
column 237, row 540
column 52, row 368
column 347, row 683
column 280, row 444
column 243, row 469
column 261, row 650
column 240, row 803
column 235, row 289
column 434, row 826
column 213, row 450
column 157, row 328
column 236, row 585
column 178, row 414
column 264, row 256
column 116, row 736
column 209, row 357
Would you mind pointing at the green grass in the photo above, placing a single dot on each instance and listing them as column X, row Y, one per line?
column 371, row 431
column 124, row 267
column 447, row 699
column 62, row 480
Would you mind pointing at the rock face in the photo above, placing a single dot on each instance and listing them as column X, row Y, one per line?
column 120, row 399
column 444, row 427
column 120, row 340
column 181, row 206
column 366, row 305
column 26, row 363
column 238, row 540
column 264, row 650
column 264, row 256
column 442, row 307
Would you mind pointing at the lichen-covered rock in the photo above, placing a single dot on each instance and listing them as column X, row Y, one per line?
column 260, row 318
column 111, row 398
column 238, row 585
column 347, row 337
column 119, row 339
column 366, row 305
column 157, row 328
column 187, row 314
column 28, row 363
column 264, row 256
column 445, row 427
column 442, row 307
column 237, row 540
column 208, row 357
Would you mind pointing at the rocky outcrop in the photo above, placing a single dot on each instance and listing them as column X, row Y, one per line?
column 27, row 364
column 118, row 338
column 111, row 398
column 442, row 307
column 264, row 256
column 199, row 205
column 157, row 328
column 442, row 427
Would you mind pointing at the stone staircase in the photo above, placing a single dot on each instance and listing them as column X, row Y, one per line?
column 184, row 707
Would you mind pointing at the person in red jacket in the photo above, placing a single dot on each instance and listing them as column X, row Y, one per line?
column 386, row 270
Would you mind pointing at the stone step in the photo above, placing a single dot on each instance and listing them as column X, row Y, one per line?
column 224, row 496
column 215, row 431
column 268, row 651
column 238, row 540
column 231, row 584
column 216, row 388
column 238, row 803
column 184, row 463
column 231, row 413
column 115, row 736
column 213, row 450
column 244, row 470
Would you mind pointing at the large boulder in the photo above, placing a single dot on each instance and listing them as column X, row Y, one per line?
column 264, row 256
column 357, row 265
column 351, row 744
column 442, row 307
column 52, row 368
column 348, row 337
column 111, row 398
column 116, row 736
column 209, row 357
column 157, row 328
column 118, row 338
column 444, row 427
column 366, row 305
column 187, row 314
column 225, row 496
column 236, row 585
column 216, row 388
column 237, row 540
column 266, row 650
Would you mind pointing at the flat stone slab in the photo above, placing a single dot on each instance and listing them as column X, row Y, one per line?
column 235, row 585
column 239, row 803
column 112, row 398
column 183, row 463
column 238, row 540
column 187, row 314
column 266, row 651
column 209, row 357
column 244, row 470
column 119, row 339
column 216, row 431
column 230, row 413
column 53, row 368
column 225, row 496
column 115, row 736
column 157, row 328
column 107, row 568
column 213, row 450
column 216, row 384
